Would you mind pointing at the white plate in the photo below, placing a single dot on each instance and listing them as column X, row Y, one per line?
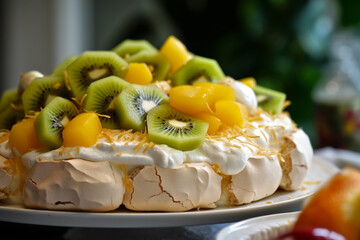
column 281, row 201
column 259, row 228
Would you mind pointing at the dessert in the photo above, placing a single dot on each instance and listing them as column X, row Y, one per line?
column 149, row 129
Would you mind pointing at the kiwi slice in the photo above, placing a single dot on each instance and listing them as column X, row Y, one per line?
column 133, row 104
column 10, row 115
column 159, row 65
column 270, row 100
column 198, row 69
column 51, row 121
column 8, row 97
column 130, row 47
column 101, row 97
column 59, row 70
column 92, row 66
column 41, row 91
column 168, row 126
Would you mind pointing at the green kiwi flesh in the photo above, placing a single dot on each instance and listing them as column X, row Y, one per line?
column 9, row 96
column 166, row 125
column 101, row 97
column 198, row 68
column 270, row 100
column 130, row 47
column 92, row 66
column 59, row 70
column 51, row 121
column 10, row 115
column 133, row 104
column 160, row 65
column 41, row 91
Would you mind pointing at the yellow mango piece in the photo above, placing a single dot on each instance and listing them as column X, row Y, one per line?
column 139, row 73
column 214, row 122
column 176, row 52
column 83, row 130
column 231, row 113
column 190, row 99
column 249, row 81
column 217, row 92
column 23, row 136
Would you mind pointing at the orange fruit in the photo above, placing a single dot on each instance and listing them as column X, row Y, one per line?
column 83, row 130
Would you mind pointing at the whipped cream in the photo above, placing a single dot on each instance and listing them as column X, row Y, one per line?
column 264, row 133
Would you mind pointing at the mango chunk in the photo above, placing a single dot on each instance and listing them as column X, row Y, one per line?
column 139, row 73
column 214, row 122
column 249, row 81
column 176, row 52
column 231, row 113
column 217, row 92
column 83, row 130
column 190, row 99
column 23, row 136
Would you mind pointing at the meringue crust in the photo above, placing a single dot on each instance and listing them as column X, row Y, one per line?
column 192, row 185
column 74, row 184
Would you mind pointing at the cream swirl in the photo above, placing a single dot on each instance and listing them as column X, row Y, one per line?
column 229, row 152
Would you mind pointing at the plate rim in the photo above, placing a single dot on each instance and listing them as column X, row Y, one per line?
column 223, row 233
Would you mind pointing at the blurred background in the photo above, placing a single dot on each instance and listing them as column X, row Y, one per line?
column 308, row 49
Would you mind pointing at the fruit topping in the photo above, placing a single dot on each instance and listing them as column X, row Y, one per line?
column 83, row 130
column 190, row 99
column 59, row 70
column 158, row 64
column 41, row 91
column 92, row 66
column 23, row 136
column 8, row 97
column 197, row 69
column 249, row 81
column 134, row 103
column 270, row 100
column 214, row 122
column 51, row 121
column 211, row 102
column 175, row 51
column 217, row 92
column 26, row 79
column 101, row 97
column 139, row 73
column 166, row 125
column 231, row 113
column 10, row 115
column 129, row 47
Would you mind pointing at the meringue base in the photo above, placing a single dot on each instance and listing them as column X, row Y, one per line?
column 74, row 184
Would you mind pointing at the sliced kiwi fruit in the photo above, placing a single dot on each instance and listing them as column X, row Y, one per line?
column 92, row 66
column 269, row 100
column 59, row 70
column 158, row 64
column 168, row 126
column 101, row 97
column 133, row 104
column 10, row 115
column 8, row 97
column 198, row 69
column 51, row 121
column 41, row 91
column 130, row 47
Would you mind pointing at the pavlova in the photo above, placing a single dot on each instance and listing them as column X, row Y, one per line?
column 153, row 130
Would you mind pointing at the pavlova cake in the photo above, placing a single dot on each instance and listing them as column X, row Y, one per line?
column 153, row 130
